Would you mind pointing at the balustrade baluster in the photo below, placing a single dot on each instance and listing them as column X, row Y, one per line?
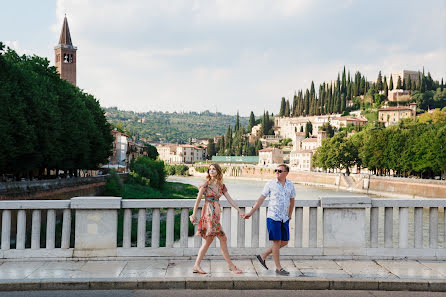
column 21, row 229
column 388, row 227
column 127, row 229
column 155, row 228
column 312, row 240
column 169, row 226
column 240, row 230
column 50, row 229
column 433, row 227
column 184, row 228
column 403, row 234
column 418, row 227
column 374, row 220
column 227, row 223
column 255, row 229
column 35, row 230
column 198, row 239
column 141, row 239
column 298, row 226
column 6, row 229
column 66, row 229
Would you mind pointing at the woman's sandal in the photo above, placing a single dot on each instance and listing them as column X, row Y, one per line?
column 235, row 270
column 198, row 270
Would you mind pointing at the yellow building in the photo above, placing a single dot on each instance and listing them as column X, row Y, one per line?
column 393, row 115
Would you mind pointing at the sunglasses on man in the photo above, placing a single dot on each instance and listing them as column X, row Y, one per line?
column 278, row 170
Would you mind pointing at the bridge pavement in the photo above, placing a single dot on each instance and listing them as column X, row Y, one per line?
column 159, row 273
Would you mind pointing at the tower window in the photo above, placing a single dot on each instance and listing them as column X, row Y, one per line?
column 68, row 58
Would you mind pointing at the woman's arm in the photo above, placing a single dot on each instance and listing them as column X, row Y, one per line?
column 197, row 203
column 231, row 201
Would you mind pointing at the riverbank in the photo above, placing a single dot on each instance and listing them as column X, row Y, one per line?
column 357, row 183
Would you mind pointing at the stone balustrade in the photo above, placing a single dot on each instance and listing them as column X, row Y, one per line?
column 328, row 227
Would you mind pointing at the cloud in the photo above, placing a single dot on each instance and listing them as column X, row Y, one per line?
column 240, row 55
column 15, row 45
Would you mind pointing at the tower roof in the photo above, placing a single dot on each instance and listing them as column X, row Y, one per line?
column 65, row 37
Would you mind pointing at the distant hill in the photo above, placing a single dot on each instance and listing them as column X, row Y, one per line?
column 172, row 127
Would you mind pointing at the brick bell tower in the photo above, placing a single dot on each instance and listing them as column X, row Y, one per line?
column 65, row 55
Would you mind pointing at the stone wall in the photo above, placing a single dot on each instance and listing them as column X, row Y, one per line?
column 55, row 189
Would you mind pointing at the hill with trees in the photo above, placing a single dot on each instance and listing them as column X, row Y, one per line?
column 174, row 127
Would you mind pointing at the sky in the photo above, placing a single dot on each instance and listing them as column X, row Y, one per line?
column 227, row 55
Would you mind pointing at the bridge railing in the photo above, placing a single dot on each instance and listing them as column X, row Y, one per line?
column 332, row 227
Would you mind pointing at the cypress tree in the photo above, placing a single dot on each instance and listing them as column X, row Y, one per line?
column 404, row 84
column 379, row 82
column 287, row 108
column 282, row 107
column 237, row 122
column 398, row 84
column 441, row 86
column 386, row 88
column 344, row 82
column 294, row 108
column 252, row 121
column 409, row 83
column 307, row 103
column 391, row 83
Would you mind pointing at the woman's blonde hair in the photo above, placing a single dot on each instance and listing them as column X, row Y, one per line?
column 219, row 176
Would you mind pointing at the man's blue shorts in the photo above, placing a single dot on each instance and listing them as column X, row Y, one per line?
column 278, row 230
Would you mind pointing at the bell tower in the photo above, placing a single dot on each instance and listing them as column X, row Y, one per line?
column 65, row 55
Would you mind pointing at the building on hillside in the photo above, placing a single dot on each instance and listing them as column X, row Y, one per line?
column 190, row 153
column 301, row 158
column 398, row 95
column 342, row 122
column 393, row 115
column 404, row 74
column 135, row 150
column 168, row 153
column 255, row 133
column 297, row 140
column 270, row 156
column 118, row 159
column 65, row 55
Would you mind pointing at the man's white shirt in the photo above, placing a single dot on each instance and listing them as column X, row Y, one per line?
column 279, row 199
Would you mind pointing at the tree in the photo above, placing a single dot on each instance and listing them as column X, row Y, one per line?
column 379, row 82
column 211, row 148
column 287, row 108
column 252, row 121
column 237, row 122
column 391, row 82
column 399, row 83
column 282, row 107
column 308, row 129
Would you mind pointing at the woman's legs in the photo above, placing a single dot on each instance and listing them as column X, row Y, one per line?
column 224, row 250
column 203, row 250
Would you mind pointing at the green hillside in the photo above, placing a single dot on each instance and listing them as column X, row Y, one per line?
column 172, row 127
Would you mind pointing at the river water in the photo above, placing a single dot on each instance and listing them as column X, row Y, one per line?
column 242, row 189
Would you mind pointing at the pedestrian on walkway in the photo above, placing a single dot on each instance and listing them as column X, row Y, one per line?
column 209, row 224
column 281, row 195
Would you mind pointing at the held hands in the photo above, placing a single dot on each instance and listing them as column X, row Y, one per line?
column 241, row 213
column 193, row 219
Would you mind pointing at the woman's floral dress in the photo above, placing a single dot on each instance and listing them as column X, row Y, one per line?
column 209, row 224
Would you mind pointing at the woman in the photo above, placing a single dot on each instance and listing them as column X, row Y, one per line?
column 209, row 225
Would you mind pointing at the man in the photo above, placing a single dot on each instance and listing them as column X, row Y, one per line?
column 281, row 195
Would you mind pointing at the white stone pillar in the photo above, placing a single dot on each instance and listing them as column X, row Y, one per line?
column 344, row 223
column 96, row 226
column 6, row 229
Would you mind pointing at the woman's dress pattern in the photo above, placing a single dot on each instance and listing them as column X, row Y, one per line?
column 209, row 224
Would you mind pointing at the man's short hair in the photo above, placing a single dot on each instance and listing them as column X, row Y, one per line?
column 287, row 168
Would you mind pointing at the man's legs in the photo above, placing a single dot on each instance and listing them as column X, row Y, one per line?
column 270, row 250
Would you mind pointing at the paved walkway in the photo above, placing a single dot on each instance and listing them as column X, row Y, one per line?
column 163, row 273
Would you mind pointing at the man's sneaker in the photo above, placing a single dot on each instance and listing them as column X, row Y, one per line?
column 282, row 272
column 262, row 261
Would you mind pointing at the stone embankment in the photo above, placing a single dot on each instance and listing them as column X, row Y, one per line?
column 359, row 183
column 53, row 189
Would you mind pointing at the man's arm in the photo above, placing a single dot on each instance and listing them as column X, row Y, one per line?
column 256, row 206
column 291, row 209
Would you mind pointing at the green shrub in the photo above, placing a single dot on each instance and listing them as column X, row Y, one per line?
column 176, row 169
column 114, row 185
column 202, row 169
column 152, row 170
